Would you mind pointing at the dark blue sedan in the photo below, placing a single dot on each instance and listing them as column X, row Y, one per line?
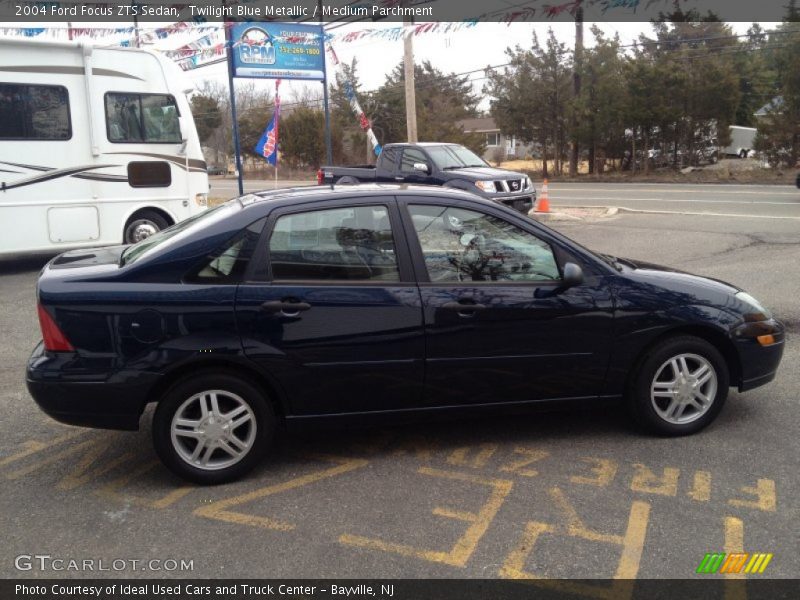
column 309, row 305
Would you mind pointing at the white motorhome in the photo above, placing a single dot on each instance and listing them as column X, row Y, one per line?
column 97, row 146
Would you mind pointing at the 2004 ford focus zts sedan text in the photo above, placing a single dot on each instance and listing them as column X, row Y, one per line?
column 316, row 304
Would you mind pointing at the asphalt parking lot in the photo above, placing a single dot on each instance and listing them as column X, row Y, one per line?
column 572, row 493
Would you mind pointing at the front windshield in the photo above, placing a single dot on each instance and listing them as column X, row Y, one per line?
column 136, row 250
column 453, row 156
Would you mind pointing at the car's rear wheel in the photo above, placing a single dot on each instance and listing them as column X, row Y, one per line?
column 213, row 428
column 680, row 386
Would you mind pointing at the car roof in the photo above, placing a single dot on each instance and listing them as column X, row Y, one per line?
column 286, row 196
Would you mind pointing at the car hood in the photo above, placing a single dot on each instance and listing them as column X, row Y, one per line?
column 674, row 278
column 479, row 173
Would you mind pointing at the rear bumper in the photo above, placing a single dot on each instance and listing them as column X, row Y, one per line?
column 103, row 400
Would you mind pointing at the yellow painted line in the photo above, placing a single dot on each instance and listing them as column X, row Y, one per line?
column 461, row 456
column 34, row 446
column 27, row 470
column 575, row 525
column 465, row 546
column 531, row 455
column 701, row 487
column 647, row 482
column 220, row 510
column 734, row 544
column 461, row 515
column 422, row 448
column 632, row 544
column 604, row 471
column 764, row 491
column 112, row 489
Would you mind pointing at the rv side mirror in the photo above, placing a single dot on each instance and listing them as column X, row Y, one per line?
column 421, row 167
column 573, row 275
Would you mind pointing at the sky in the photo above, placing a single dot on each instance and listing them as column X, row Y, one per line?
column 465, row 50
column 456, row 52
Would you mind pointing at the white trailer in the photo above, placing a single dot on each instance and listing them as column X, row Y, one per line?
column 741, row 142
column 97, row 146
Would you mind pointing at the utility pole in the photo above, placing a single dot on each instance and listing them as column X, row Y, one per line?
column 408, row 69
column 576, row 85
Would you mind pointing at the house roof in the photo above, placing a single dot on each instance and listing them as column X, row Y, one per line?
column 775, row 104
column 479, row 125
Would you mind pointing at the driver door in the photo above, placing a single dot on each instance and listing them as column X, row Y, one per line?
column 498, row 326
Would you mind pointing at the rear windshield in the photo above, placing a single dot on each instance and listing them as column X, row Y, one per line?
column 136, row 251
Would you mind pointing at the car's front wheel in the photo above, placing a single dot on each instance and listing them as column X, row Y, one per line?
column 680, row 386
column 213, row 428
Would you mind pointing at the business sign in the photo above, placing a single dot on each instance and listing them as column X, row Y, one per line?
column 278, row 51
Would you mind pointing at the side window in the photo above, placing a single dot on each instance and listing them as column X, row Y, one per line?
column 228, row 263
column 339, row 244
column 464, row 245
column 388, row 158
column 149, row 118
column 150, row 173
column 34, row 112
column 411, row 156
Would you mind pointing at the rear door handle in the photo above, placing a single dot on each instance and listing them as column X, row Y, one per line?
column 287, row 308
column 464, row 308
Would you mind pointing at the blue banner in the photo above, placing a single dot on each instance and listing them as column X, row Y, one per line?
column 267, row 146
column 278, row 50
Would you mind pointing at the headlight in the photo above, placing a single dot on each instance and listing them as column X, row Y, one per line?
column 526, row 184
column 486, row 186
column 759, row 313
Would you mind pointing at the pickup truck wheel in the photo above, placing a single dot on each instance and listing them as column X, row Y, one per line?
column 346, row 181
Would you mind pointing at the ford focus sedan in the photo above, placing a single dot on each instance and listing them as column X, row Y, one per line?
column 321, row 305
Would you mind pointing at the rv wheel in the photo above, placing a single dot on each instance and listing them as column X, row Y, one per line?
column 142, row 225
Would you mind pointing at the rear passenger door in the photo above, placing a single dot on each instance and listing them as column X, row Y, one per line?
column 335, row 316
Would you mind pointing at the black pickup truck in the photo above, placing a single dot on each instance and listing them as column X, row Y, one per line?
column 447, row 165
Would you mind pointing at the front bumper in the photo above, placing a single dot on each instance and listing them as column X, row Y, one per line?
column 523, row 202
column 89, row 399
column 759, row 363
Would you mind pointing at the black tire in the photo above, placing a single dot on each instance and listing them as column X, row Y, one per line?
column 641, row 404
column 743, row 154
column 148, row 218
column 180, row 394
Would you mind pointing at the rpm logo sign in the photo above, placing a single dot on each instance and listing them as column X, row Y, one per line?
column 256, row 47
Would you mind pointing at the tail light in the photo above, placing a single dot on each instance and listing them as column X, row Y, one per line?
column 54, row 338
column 320, row 176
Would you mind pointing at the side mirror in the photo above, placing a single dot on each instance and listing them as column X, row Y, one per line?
column 421, row 167
column 573, row 275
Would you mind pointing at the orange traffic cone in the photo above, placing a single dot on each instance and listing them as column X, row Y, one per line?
column 543, row 206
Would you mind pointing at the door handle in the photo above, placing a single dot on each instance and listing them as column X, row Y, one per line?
column 286, row 308
column 464, row 308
